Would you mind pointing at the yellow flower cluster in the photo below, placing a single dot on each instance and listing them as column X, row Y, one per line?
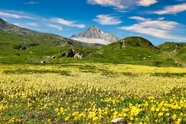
column 89, row 97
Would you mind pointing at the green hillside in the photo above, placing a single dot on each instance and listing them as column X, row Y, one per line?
column 134, row 50
column 24, row 48
column 176, row 51
column 138, row 50
column 171, row 46
column 20, row 45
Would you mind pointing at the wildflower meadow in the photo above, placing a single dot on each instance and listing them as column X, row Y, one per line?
column 92, row 93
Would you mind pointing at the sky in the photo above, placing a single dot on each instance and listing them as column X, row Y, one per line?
column 156, row 20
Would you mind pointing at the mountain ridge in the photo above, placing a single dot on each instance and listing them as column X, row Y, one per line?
column 95, row 35
column 5, row 26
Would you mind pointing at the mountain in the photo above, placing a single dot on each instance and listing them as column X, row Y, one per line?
column 21, row 45
column 41, row 38
column 95, row 35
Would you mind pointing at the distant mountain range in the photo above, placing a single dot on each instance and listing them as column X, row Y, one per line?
column 35, row 35
column 95, row 35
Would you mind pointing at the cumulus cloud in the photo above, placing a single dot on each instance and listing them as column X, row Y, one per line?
column 107, row 20
column 146, row 2
column 156, row 28
column 67, row 23
column 174, row 9
column 55, row 26
column 13, row 15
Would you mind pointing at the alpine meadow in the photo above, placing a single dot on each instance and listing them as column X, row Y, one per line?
column 92, row 93
column 92, row 62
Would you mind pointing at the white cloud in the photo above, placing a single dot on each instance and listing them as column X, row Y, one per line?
column 137, row 18
column 156, row 28
column 67, row 23
column 17, row 24
column 172, row 9
column 12, row 15
column 115, row 3
column 107, row 20
column 32, row 24
column 161, row 18
column 122, row 4
column 180, row 0
column 31, row 2
column 146, row 2
column 55, row 26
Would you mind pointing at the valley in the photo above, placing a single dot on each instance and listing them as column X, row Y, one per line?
column 49, row 79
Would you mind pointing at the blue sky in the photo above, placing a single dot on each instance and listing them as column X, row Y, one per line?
column 158, row 21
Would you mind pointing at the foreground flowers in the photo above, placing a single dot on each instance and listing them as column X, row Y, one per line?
column 91, row 98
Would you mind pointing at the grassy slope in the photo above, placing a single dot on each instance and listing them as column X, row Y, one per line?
column 137, row 51
column 45, row 45
column 174, row 51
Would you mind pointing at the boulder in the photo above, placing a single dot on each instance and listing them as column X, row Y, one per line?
column 117, row 120
column 53, row 57
column 78, row 56
column 72, row 53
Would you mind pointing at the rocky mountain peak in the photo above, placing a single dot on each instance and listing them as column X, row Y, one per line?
column 95, row 35
column 2, row 24
column 96, row 29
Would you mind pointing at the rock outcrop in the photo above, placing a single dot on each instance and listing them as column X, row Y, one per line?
column 72, row 53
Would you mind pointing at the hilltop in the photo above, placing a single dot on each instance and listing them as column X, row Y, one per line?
column 136, row 50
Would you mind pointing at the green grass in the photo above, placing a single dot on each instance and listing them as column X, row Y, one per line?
column 28, row 71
